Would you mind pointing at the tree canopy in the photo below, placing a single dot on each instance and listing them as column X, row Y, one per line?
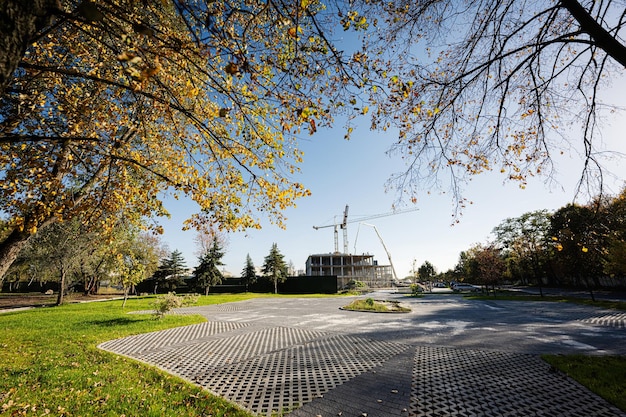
column 274, row 266
column 117, row 103
column 107, row 107
column 491, row 85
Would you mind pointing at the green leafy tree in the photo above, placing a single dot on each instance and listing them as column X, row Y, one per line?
column 579, row 242
column 274, row 267
column 426, row 271
column 525, row 244
column 207, row 273
column 170, row 272
column 248, row 275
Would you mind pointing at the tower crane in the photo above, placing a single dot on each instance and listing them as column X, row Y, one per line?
column 344, row 225
column 393, row 270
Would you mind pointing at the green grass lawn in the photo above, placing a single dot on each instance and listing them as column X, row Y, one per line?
column 49, row 364
column 509, row 296
column 604, row 375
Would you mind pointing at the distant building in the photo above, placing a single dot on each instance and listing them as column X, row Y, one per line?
column 350, row 267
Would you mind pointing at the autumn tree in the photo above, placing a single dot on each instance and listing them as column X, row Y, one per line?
column 59, row 253
column 108, row 106
column 492, row 85
column 490, row 267
column 274, row 267
column 248, row 275
column 133, row 257
column 207, row 273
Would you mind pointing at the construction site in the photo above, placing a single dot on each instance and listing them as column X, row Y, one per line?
column 351, row 267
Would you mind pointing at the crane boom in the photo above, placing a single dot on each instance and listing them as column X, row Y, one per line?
column 344, row 225
column 393, row 270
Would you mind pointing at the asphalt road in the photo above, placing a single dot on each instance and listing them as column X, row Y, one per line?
column 449, row 320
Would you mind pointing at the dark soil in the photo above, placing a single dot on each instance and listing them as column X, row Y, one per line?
column 8, row 300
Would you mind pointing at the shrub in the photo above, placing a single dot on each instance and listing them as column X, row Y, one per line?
column 165, row 303
column 416, row 290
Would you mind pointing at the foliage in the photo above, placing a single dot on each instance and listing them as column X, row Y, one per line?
column 525, row 242
column 171, row 271
column 50, row 364
column 118, row 103
column 274, row 267
column 426, row 271
column 248, row 275
column 604, row 375
column 207, row 273
column 167, row 302
column 416, row 290
column 378, row 306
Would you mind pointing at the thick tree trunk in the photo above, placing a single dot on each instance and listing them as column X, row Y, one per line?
column 602, row 38
column 11, row 246
column 10, row 249
column 20, row 20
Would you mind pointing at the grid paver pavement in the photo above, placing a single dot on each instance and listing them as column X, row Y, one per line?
column 312, row 369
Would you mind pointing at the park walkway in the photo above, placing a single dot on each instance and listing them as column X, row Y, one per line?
column 448, row 357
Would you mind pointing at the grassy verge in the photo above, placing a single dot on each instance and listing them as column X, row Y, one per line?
column 49, row 364
column 377, row 306
column 615, row 305
column 604, row 375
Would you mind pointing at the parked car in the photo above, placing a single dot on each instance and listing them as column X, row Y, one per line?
column 463, row 287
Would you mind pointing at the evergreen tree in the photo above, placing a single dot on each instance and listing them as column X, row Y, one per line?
column 171, row 271
column 248, row 275
column 207, row 273
column 275, row 267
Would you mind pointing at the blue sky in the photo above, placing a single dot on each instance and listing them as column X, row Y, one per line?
column 354, row 172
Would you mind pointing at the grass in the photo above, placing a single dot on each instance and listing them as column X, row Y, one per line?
column 614, row 305
column 377, row 306
column 49, row 364
column 604, row 375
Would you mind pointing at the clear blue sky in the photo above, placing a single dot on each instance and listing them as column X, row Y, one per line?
column 340, row 172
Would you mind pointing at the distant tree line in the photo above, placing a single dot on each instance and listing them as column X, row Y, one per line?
column 580, row 246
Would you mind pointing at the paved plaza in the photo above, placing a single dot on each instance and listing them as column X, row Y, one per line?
column 302, row 357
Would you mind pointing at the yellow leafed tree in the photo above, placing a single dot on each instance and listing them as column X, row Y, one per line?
column 116, row 103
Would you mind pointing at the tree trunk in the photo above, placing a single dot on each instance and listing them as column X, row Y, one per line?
column 602, row 38
column 20, row 20
column 10, row 248
column 61, row 286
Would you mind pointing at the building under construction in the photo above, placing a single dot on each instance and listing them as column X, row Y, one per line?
column 349, row 267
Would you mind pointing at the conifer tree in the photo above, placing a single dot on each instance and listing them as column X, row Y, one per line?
column 275, row 267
